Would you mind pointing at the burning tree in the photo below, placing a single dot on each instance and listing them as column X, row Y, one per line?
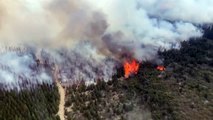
column 130, row 67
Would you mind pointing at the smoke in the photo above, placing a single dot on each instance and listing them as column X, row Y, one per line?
column 193, row 11
column 81, row 36
column 80, row 63
column 140, row 27
column 152, row 24
column 18, row 68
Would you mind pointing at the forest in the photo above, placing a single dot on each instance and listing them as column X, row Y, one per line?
column 182, row 92
column 39, row 103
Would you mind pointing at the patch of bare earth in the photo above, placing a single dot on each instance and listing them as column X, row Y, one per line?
column 61, row 91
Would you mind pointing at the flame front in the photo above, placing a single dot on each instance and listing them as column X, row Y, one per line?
column 161, row 68
column 130, row 67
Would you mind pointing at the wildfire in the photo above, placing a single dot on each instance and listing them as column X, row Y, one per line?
column 130, row 67
column 161, row 68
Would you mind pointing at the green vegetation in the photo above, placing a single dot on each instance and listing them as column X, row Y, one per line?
column 182, row 92
column 40, row 103
column 193, row 52
column 190, row 78
column 117, row 98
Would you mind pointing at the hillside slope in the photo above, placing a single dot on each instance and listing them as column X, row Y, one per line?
column 182, row 92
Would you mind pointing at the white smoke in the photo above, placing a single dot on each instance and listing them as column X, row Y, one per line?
column 17, row 69
column 110, row 27
column 153, row 24
column 81, row 63
column 192, row 11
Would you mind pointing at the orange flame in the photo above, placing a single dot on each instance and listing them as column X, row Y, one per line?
column 130, row 67
column 161, row 68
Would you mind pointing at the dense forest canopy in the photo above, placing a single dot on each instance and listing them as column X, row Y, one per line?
column 40, row 103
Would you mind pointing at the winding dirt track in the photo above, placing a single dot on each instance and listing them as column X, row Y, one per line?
column 61, row 91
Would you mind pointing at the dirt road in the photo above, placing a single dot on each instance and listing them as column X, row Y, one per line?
column 61, row 91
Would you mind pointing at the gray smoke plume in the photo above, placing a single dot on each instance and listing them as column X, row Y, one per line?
column 148, row 25
column 84, row 37
column 81, row 63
